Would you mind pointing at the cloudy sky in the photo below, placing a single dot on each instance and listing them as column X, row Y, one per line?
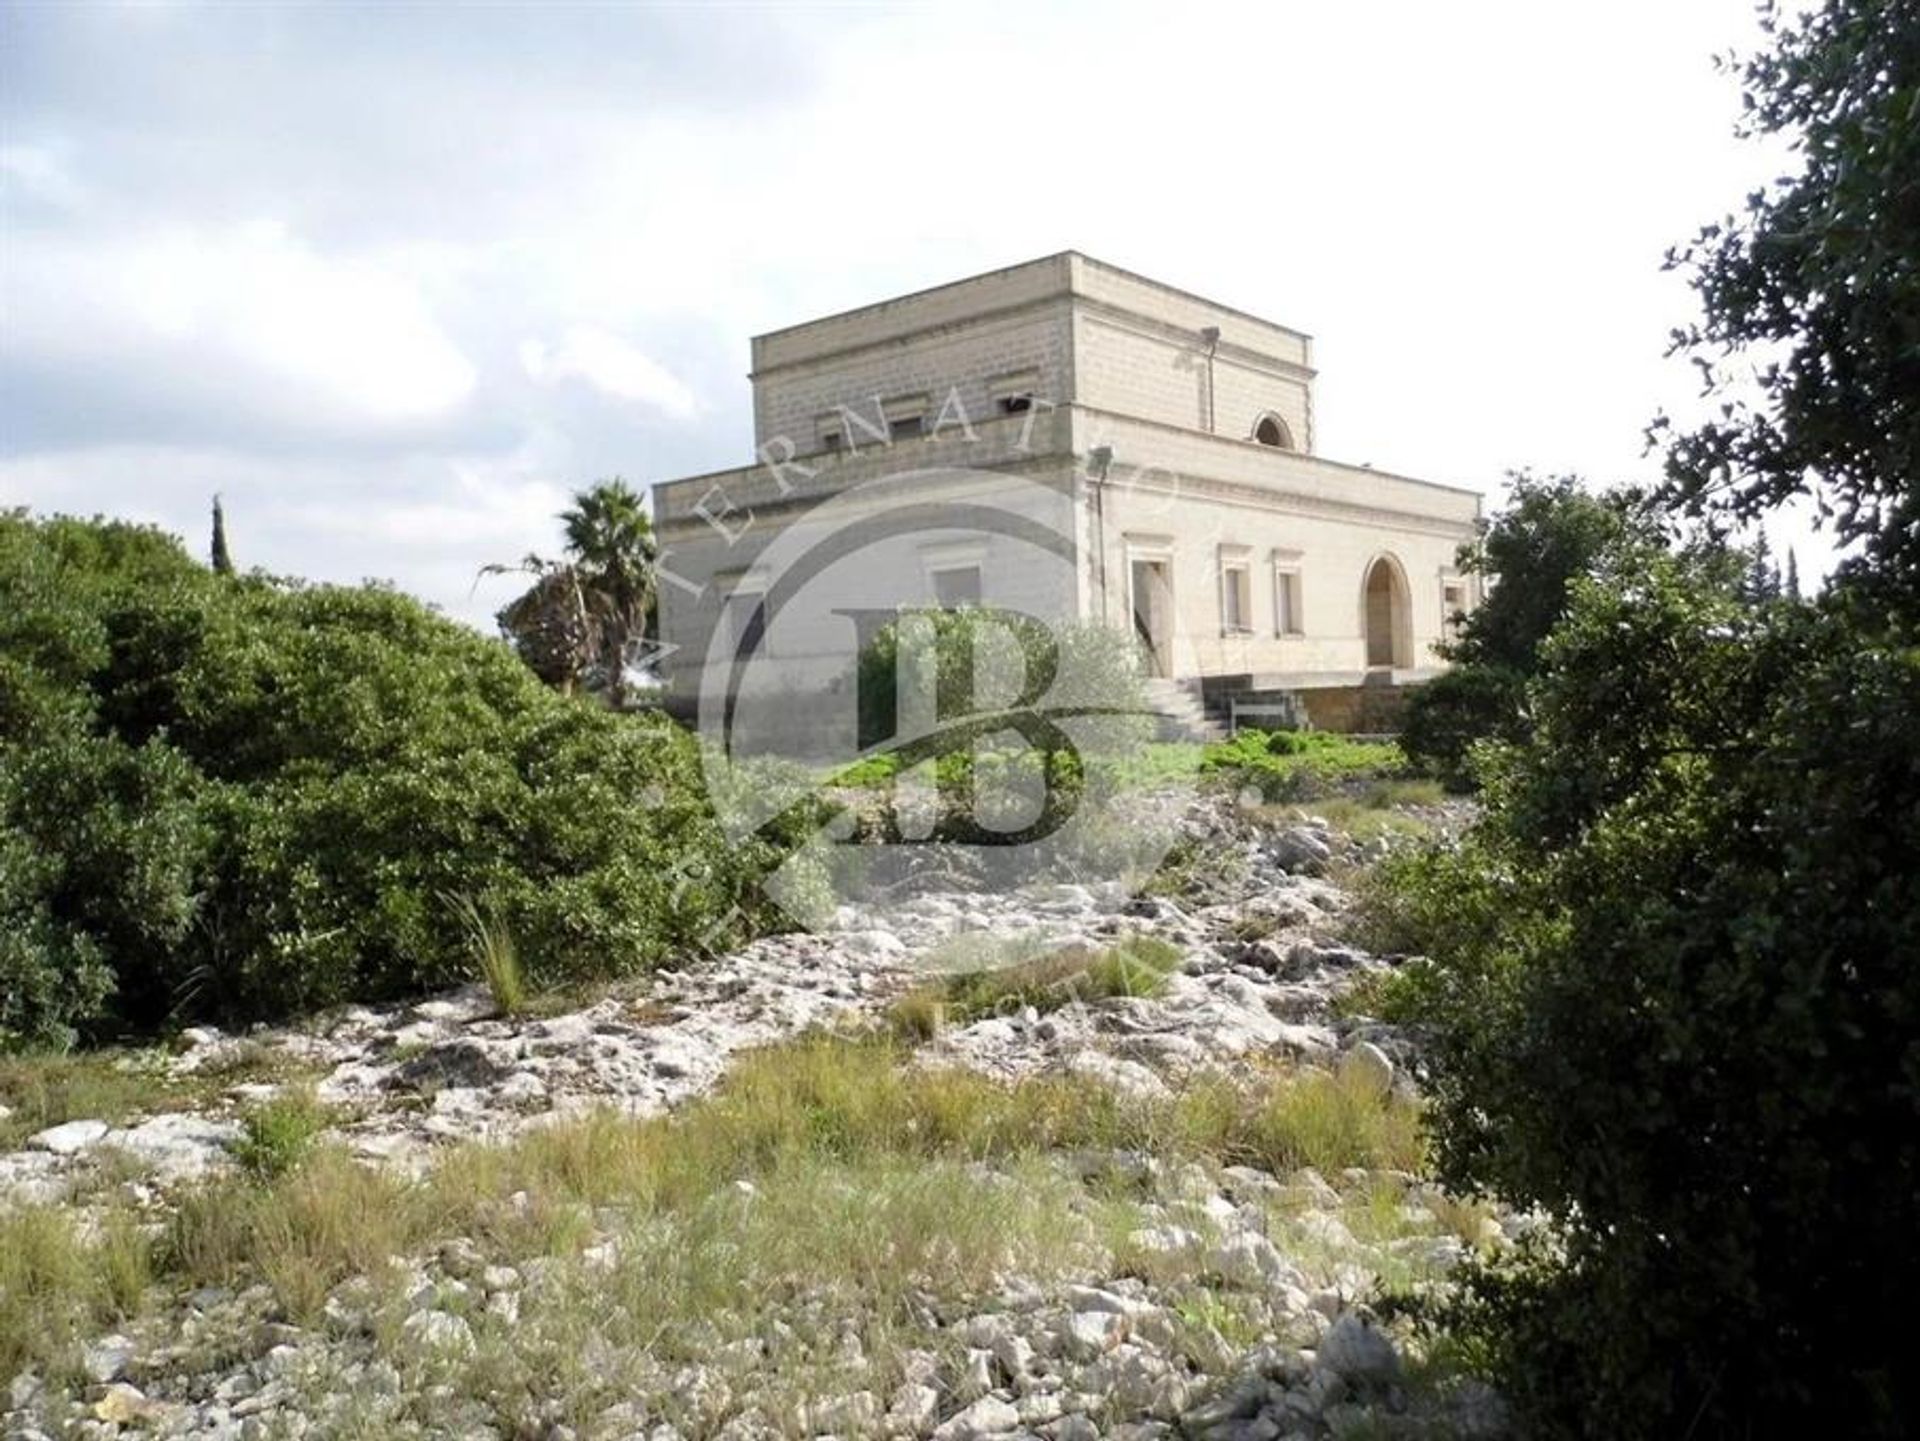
column 392, row 280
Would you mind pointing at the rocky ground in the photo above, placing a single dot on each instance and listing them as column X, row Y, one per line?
column 1222, row 1302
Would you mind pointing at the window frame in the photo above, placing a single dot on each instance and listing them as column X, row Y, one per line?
column 1289, row 594
column 934, row 572
column 1236, row 578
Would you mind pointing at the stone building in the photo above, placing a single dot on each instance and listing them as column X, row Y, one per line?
column 1176, row 436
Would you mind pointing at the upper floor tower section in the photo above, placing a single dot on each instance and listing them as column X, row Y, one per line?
column 1064, row 330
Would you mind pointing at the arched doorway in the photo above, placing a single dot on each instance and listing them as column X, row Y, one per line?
column 1389, row 626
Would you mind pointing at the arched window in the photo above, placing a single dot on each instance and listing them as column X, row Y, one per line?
column 1272, row 430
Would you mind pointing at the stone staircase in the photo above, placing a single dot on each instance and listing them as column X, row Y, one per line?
column 1181, row 714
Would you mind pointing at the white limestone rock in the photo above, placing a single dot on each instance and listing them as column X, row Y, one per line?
column 70, row 1137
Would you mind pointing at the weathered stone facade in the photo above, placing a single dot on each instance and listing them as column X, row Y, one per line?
column 1179, row 433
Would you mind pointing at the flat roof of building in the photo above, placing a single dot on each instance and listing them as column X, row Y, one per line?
column 1067, row 272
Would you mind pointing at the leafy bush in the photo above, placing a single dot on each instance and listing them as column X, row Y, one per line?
column 1295, row 765
column 1551, row 533
column 240, row 798
column 1455, row 711
column 1673, row 983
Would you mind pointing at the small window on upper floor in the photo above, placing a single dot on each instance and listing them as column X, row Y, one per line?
column 1453, row 604
column 1013, row 392
column 1272, row 430
column 956, row 585
column 906, row 417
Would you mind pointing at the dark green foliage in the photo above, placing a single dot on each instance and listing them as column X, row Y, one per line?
column 1672, row 983
column 1814, row 287
column 1550, row 533
column 1676, row 1004
column 1455, row 711
column 220, row 557
column 238, row 798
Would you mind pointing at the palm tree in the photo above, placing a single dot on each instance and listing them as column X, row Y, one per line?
column 610, row 540
column 585, row 617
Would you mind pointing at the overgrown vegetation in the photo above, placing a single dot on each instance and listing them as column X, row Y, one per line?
column 1296, row 765
column 120, row 1086
column 1551, row 533
column 495, row 955
column 1670, row 979
column 239, row 798
column 859, row 1164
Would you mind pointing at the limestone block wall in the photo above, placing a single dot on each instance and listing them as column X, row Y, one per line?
column 1287, row 521
column 1139, row 352
column 961, row 359
column 1152, row 374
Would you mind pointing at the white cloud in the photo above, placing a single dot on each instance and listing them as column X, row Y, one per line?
column 608, row 363
column 37, row 172
column 426, row 522
column 246, row 316
column 1456, row 202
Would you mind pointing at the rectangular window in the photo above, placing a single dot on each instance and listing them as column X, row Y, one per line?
column 956, row 586
column 1453, row 601
column 906, row 417
column 1286, row 602
column 1236, row 597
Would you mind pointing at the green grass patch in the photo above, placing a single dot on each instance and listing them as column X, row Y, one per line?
column 1298, row 765
column 490, row 944
column 42, row 1089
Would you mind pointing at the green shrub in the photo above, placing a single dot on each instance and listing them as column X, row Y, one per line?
column 241, row 798
column 278, row 1135
column 1455, row 711
column 1550, row 534
column 1674, row 995
column 1296, row 765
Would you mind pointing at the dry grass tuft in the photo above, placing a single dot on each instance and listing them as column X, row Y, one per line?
column 1045, row 981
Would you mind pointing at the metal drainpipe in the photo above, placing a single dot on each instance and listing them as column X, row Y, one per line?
column 1211, row 334
column 1102, row 456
